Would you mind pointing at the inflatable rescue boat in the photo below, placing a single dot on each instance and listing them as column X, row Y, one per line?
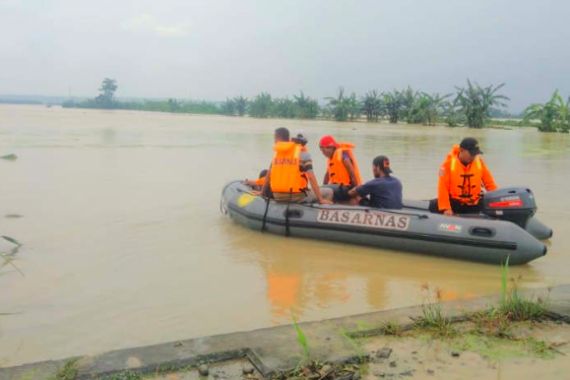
column 504, row 229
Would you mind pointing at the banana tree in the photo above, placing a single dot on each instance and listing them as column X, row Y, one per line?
column 339, row 106
column 240, row 105
column 427, row 108
column 393, row 102
column 476, row 102
column 261, row 106
column 372, row 106
column 306, row 108
column 554, row 115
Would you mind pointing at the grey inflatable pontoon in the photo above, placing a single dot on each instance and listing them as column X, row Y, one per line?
column 410, row 229
column 533, row 226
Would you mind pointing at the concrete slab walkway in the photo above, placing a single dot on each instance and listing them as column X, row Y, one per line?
column 269, row 350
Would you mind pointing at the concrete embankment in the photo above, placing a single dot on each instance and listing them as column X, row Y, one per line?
column 270, row 350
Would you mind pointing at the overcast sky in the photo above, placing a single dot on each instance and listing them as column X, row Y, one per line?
column 216, row 48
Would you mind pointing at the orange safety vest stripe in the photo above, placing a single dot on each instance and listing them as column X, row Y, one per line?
column 286, row 175
column 337, row 172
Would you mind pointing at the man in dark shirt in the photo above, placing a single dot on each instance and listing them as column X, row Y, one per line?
column 384, row 191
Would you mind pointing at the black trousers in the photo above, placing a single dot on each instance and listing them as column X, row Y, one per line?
column 458, row 207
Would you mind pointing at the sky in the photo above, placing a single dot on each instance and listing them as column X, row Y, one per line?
column 214, row 49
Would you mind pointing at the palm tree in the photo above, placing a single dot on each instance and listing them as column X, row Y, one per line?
column 393, row 101
column 228, row 107
column 354, row 107
column 240, row 104
column 372, row 106
column 408, row 99
column 476, row 102
column 284, row 108
column 554, row 115
column 339, row 106
column 306, row 108
column 427, row 108
column 261, row 106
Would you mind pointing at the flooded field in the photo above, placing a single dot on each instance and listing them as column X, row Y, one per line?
column 124, row 243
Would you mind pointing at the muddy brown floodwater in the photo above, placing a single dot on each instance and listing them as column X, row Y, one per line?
column 124, row 244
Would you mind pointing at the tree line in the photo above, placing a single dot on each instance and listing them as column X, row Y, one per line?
column 471, row 105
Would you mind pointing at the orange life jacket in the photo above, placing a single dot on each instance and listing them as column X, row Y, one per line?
column 337, row 173
column 286, row 175
column 462, row 182
column 465, row 181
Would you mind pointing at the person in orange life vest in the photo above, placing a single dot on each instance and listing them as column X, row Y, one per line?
column 462, row 176
column 291, row 173
column 342, row 173
column 384, row 191
column 257, row 184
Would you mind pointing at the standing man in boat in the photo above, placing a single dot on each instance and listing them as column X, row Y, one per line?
column 291, row 172
column 342, row 172
column 384, row 191
column 462, row 176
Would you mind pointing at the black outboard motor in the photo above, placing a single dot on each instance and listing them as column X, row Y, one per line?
column 514, row 204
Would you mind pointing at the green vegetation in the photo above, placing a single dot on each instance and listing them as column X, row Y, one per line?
column 356, row 345
column 234, row 107
column 472, row 106
column 124, row 375
column 427, row 109
column 9, row 157
column 373, row 106
column 261, row 106
column 497, row 348
column 302, row 340
column 105, row 99
column 554, row 115
column 475, row 103
column 67, row 372
column 391, row 328
column 343, row 108
column 513, row 306
column 512, row 123
column 434, row 321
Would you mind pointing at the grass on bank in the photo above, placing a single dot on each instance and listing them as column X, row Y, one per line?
column 513, row 306
column 302, row 341
column 392, row 328
column 433, row 319
column 67, row 372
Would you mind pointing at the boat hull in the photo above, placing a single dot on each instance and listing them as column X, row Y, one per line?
column 412, row 230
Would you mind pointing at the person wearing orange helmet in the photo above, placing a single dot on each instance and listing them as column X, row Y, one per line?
column 462, row 177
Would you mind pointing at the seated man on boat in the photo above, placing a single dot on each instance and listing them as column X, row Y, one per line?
column 384, row 191
column 342, row 172
column 462, row 176
column 291, row 172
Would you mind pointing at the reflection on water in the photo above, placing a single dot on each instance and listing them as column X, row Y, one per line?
column 124, row 244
